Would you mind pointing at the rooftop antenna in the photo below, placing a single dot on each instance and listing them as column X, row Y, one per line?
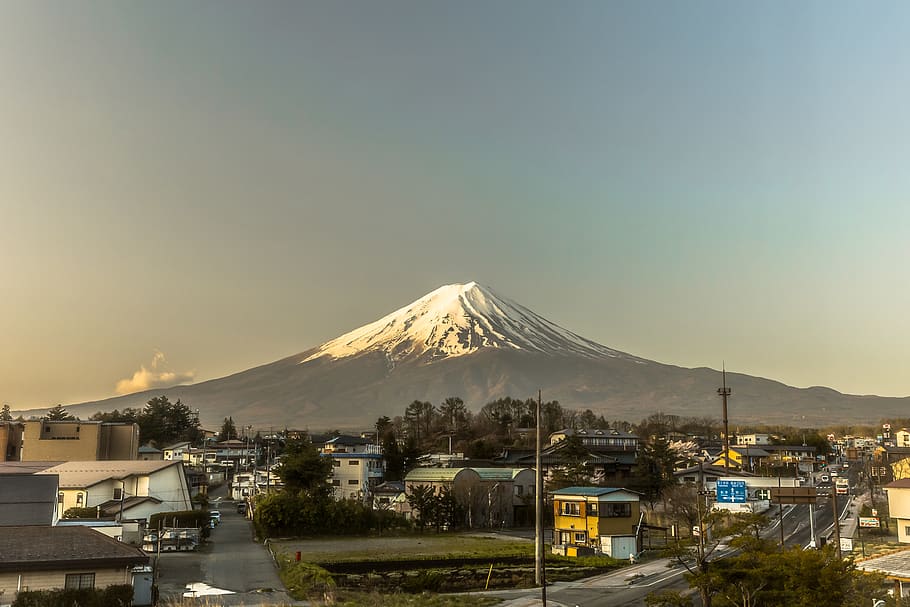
column 724, row 392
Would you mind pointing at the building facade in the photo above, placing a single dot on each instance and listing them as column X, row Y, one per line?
column 357, row 466
column 43, row 441
column 585, row 515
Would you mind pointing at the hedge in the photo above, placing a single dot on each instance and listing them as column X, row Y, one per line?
column 120, row 595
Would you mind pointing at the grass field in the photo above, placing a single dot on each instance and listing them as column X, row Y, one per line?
column 429, row 546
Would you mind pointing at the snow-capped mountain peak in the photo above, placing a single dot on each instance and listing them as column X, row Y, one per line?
column 459, row 319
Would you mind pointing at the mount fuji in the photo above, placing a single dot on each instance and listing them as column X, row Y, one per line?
column 466, row 340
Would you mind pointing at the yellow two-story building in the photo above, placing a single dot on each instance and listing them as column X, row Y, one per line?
column 584, row 515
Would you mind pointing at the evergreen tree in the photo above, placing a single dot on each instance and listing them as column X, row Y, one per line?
column 394, row 460
column 5, row 415
column 654, row 469
column 228, row 430
column 304, row 470
column 58, row 414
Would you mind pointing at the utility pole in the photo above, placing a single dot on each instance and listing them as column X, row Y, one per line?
column 724, row 392
column 780, row 514
column 836, row 521
column 539, row 572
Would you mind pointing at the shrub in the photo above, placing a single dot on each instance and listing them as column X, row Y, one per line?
column 120, row 595
column 305, row 580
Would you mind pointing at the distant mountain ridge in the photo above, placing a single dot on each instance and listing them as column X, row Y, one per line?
column 465, row 340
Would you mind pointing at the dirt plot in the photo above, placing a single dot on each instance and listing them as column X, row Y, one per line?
column 429, row 546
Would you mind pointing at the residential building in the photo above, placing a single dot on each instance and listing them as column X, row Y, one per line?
column 491, row 497
column 46, row 558
column 611, row 439
column 127, row 489
column 585, row 515
column 706, row 474
column 44, row 440
column 28, row 499
column 742, row 458
column 357, row 466
column 390, row 496
column 149, row 453
column 11, row 441
column 176, row 451
column 790, row 454
column 243, row 486
column 605, row 464
column 902, row 438
column 899, row 507
column 753, row 439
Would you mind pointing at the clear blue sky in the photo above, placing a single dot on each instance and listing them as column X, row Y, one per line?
column 227, row 183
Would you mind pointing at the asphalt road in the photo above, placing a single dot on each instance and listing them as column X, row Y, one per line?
column 231, row 560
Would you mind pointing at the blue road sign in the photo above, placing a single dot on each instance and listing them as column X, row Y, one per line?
column 731, row 492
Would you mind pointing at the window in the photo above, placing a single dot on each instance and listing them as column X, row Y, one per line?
column 580, row 537
column 118, row 494
column 60, row 497
column 336, row 483
column 353, row 481
column 907, row 530
column 79, row 497
column 616, row 510
column 519, row 489
column 570, row 508
column 80, row 580
column 354, row 462
column 336, row 462
column 592, row 509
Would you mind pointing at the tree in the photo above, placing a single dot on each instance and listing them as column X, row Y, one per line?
column 383, row 427
column 573, row 466
column 304, row 470
column 759, row 574
column 5, row 415
column 696, row 554
column 667, row 598
column 161, row 422
column 228, row 430
column 654, row 469
column 453, row 414
column 422, row 500
column 420, row 415
column 58, row 414
column 394, row 459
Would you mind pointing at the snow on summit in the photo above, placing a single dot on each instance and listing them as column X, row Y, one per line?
column 459, row 319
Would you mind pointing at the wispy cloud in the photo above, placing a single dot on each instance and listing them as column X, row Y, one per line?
column 157, row 375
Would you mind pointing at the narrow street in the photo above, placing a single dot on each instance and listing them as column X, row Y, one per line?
column 229, row 561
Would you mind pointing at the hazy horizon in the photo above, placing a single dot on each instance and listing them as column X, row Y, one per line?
column 191, row 190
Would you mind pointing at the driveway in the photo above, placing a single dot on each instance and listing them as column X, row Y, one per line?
column 231, row 560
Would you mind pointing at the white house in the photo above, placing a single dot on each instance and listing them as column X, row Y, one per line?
column 753, row 439
column 357, row 466
column 128, row 489
column 176, row 451
column 899, row 507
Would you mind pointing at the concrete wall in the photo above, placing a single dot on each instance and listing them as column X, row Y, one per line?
column 10, row 441
column 119, row 441
column 79, row 441
column 63, row 441
column 899, row 503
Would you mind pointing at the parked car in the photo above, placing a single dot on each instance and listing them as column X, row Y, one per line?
column 241, row 507
column 214, row 518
